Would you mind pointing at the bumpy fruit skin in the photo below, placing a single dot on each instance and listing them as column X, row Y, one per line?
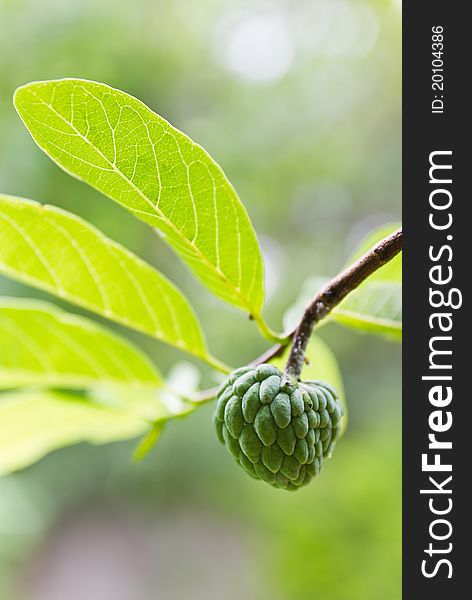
column 277, row 429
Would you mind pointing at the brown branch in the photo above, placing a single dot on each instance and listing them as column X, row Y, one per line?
column 335, row 291
column 324, row 302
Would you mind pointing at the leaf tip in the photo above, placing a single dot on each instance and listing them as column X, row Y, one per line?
column 22, row 89
column 147, row 443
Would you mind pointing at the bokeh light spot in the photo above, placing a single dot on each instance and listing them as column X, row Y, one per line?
column 256, row 47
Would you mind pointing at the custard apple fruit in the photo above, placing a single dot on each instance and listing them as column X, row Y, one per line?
column 279, row 430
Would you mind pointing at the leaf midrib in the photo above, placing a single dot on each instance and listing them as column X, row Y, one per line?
column 75, row 381
column 368, row 319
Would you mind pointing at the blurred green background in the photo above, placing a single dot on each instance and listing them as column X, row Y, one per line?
column 299, row 101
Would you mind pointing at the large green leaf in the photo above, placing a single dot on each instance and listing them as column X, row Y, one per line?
column 119, row 146
column 41, row 345
column 374, row 307
column 33, row 423
column 58, row 252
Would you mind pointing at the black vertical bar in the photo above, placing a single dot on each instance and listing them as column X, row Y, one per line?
column 436, row 119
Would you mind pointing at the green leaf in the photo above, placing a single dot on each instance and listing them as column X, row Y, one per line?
column 119, row 146
column 42, row 345
column 33, row 423
column 56, row 251
column 322, row 365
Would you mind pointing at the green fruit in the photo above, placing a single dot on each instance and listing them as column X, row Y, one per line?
column 277, row 429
